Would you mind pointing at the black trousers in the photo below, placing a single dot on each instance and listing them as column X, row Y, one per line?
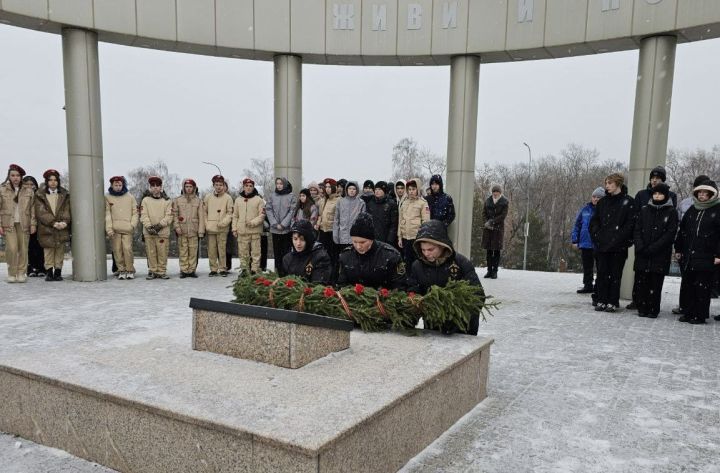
column 609, row 275
column 36, row 256
column 588, row 262
column 408, row 253
column 281, row 247
column 648, row 291
column 699, row 288
column 263, row 251
column 493, row 260
column 684, row 290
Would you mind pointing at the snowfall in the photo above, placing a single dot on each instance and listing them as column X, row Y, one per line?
column 570, row 389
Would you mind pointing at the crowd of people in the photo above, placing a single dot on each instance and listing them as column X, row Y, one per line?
column 654, row 223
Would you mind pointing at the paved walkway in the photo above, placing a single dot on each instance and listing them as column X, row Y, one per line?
column 570, row 389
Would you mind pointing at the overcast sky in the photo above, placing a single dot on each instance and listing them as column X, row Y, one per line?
column 185, row 109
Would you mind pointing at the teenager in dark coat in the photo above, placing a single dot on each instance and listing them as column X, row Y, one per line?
column 370, row 262
column 36, row 255
column 698, row 248
column 437, row 264
column 495, row 211
column 307, row 258
column 582, row 240
column 441, row 205
column 611, row 229
column 654, row 234
column 642, row 199
column 384, row 213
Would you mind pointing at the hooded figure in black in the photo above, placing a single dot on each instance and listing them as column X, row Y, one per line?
column 698, row 248
column 370, row 262
column 654, row 234
column 311, row 262
column 437, row 264
column 611, row 230
column 441, row 205
column 384, row 213
column 494, row 212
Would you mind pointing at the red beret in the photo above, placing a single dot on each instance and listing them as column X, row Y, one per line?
column 16, row 167
column 155, row 181
column 247, row 180
column 117, row 178
column 51, row 172
column 218, row 178
column 330, row 180
column 189, row 181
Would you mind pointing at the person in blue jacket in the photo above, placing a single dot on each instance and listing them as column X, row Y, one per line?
column 582, row 241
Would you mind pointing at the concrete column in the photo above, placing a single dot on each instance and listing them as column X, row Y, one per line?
column 462, row 134
column 653, row 96
column 288, row 119
column 84, row 140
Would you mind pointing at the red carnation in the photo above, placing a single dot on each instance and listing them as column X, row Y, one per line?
column 290, row 283
column 181, row 219
column 359, row 289
column 384, row 292
column 411, row 294
column 259, row 281
column 307, row 291
column 266, row 282
column 329, row 292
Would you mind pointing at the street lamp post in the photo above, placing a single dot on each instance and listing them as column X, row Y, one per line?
column 213, row 164
column 527, row 209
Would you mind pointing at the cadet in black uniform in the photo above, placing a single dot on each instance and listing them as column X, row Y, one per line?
column 437, row 264
column 307, row 258
column 370, row 262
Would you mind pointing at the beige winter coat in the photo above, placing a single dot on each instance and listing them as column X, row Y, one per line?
column 218, row 213
column 248, row 215
column 413, row 213
column 327, row 217
column 156, row 211
column 121, row 214
column 189, row 215
column 26, row 204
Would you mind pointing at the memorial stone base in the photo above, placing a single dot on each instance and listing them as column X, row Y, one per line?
column 134, row 396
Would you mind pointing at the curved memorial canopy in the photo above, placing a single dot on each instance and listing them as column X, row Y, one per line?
column 375, row 32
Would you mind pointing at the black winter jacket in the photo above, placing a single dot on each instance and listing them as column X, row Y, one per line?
column 441, row 205
column 611, row 227
column 313, row 266
column 699, row 239
column 654, row 233
column 453, row 267
column 381, row 266
column 385, row 218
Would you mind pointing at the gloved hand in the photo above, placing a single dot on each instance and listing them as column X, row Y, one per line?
column 157, row 227
column 151, row 230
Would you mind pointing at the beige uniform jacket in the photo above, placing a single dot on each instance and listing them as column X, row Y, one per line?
column 189, row 215
column 121, row 214
column 156, row 211
column 26, row 202
column 248, row 215
column 327, row 217
column 413, row 213
column 218, row 213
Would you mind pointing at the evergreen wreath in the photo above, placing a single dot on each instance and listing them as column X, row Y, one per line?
column 372, row 309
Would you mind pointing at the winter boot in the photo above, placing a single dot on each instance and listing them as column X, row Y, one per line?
column 58, row 274
column 150, row 276
column 685, row 318
column 585, row 290
column 697, row 320
column 49, row 276
column 631, row 306
column 183, row 275
column 192, row 275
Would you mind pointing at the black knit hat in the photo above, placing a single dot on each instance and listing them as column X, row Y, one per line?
column 363, row 227
column 664, row 189
column 305, row 228
column 368, row 183
column 658, row 171
column 381, row 185
column 702, row 178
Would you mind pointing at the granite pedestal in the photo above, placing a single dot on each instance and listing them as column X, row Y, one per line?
column 127, row 391
column 280, row 337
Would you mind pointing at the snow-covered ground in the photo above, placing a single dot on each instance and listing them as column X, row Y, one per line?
column 570, row 389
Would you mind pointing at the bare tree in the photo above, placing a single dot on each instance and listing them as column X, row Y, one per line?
column 406, row 160
column 137, row 179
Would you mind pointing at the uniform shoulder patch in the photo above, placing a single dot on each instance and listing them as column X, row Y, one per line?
column 401, row 268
